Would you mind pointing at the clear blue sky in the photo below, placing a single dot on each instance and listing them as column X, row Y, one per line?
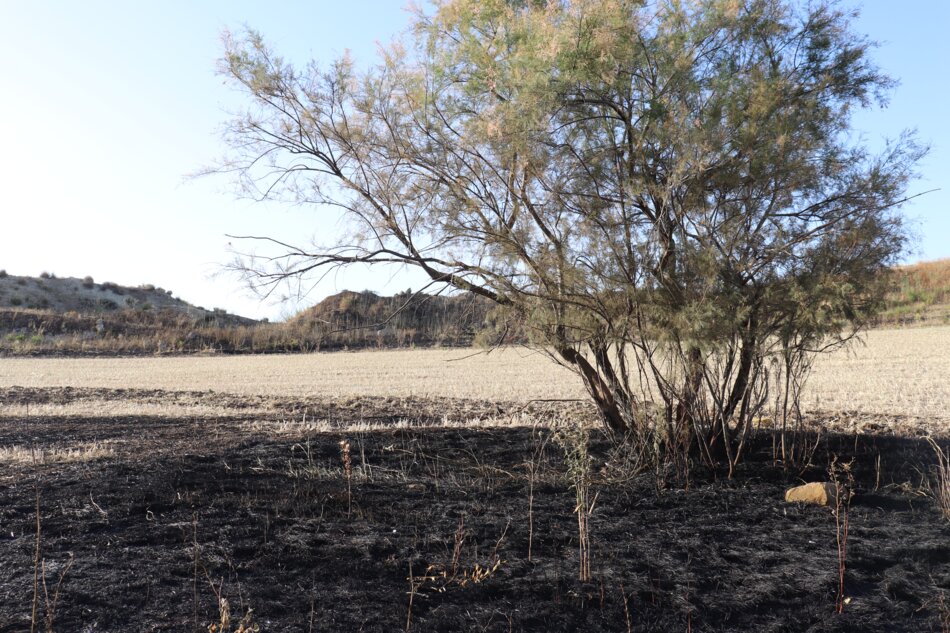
column 106, row 106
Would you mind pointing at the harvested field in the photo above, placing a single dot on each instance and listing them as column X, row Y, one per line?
column 510, row 374
column 168, row 484
column 899, row 373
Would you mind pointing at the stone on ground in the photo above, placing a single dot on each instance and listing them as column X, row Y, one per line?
column 819, row 493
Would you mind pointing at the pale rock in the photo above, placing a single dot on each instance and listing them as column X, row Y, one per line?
column 819, row 493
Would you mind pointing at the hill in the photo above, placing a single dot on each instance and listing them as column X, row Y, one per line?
column 68, row 316
column 54, row 315
column 365, row 319
column 85, row 296
column 48, row 315
column 920, row 295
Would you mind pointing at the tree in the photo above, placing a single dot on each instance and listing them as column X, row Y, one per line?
column 668, row 194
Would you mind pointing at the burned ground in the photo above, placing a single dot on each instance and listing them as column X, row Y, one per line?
column 186, row 507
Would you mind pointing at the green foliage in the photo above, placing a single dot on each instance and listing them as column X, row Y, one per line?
column 574, row 440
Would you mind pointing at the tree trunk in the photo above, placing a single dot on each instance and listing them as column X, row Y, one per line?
column 685, row 410
column 613, row 415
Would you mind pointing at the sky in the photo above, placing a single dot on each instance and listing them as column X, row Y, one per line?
column 107, row 107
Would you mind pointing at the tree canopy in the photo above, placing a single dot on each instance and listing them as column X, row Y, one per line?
column 669, row 194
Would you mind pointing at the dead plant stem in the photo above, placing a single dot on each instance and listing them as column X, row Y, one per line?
column 626, row 609
column 412, row 593
column 36, row 551
column 51, row 604
column 194, row 582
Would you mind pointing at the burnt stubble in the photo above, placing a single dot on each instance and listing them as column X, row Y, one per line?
column 188, row 509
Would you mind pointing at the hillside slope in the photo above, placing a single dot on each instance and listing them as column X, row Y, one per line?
column 49, row 314
column 920, row 295
column 68, row 316
column 365, row 319
column 85, row 296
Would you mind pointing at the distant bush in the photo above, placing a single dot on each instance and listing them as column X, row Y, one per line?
column 15, row 301
column 113, row 287
column 46, row 275
column 88, row 282
column 147, row 287
column 3, row 273
column 21, row 282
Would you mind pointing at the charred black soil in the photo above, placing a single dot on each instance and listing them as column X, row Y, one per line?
column 431, row 531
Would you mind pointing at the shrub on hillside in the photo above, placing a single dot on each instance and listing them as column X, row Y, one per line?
column 88, row 282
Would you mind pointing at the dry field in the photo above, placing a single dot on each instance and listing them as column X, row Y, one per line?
column 899, row 373
column 506, row 375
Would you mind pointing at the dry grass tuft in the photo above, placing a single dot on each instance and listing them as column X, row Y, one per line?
column 941, row 487
column 308, row 426
column 56, row 455
column 124, row 408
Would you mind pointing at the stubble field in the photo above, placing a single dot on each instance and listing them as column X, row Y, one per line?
column 898, row 372
column 168, row 484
